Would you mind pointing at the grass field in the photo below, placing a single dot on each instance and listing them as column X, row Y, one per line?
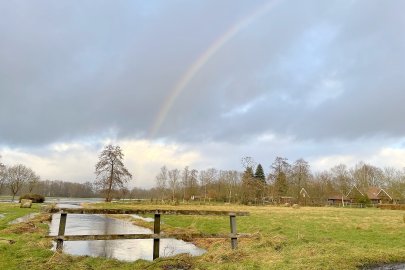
column 285, row 238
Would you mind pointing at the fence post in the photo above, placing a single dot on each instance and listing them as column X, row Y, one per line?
column 156, row 241
column 234, row 239
column 61, row 232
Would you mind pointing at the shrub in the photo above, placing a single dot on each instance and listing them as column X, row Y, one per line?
column 35, row 198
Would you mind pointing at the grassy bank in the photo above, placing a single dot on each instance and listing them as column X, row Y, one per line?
column 286, row 238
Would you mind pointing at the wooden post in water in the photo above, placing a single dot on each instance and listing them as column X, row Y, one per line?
column 156, row 241
column 61, row 232
column 234, row 240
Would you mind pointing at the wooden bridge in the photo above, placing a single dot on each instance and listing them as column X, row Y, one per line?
column 156, row 236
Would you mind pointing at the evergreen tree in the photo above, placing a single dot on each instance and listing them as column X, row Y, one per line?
column 259, row 174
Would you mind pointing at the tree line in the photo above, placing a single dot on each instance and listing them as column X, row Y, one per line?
column 111, row 179
column 284, row 179
column 294, row 181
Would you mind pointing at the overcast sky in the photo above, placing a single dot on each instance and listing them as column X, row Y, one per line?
column 200, row 83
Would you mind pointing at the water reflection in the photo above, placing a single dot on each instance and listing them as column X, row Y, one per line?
column 127, row 250
column 68, row 205
column 146, row 219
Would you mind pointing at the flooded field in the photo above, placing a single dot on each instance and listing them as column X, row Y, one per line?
column 127, row 250
column 23, row 219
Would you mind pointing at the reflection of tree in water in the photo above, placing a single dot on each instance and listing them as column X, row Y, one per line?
column 168, row 250
column 102, row 248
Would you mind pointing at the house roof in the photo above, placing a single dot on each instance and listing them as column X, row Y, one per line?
column 304, row 192
column 354, row 188
column 383, row 191
column 373, row 193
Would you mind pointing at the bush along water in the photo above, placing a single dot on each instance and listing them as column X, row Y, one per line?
column 35, row 198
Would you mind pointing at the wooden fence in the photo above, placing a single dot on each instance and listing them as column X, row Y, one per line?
column 156, row 236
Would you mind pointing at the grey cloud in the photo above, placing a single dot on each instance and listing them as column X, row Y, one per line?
column 71, row 70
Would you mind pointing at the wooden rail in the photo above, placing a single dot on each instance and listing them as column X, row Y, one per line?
column 144, row 212
column 156, row 236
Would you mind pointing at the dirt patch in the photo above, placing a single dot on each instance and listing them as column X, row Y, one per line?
column 181, row 262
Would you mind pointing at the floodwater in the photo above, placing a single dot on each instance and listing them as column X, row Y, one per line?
column 400, row 266
column 146, row 219
column 126, row 250
column 23, row 219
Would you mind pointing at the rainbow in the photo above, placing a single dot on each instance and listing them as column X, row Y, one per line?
column 202, row 61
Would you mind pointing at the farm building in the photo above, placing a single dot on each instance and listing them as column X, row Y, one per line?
column 376, row 195
column 338, row 199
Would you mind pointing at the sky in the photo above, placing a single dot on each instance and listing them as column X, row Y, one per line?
column 200, row 83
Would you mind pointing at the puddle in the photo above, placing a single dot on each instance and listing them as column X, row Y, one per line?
column 68, row 205
column 400, row 266
column 126, row 250
column 147, row 219
column 23, row 219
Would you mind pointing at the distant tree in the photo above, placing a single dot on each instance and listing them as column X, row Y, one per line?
column 2, row 175
column 32, row 183
column 207, row 177
column 280, row 169
column 17, row 176
column 300, row 174
column 110, row 171
column 185, row 181
column 174, row 176
column 341, row 178
column 231, row 180
column 366, row 175
column 280, row 185
column 248, row 162
column 193, row 182
column 259, row 173
column 161, row 181
column 249, row 186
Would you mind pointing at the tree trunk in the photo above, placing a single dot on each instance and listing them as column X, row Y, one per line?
column 108, row 199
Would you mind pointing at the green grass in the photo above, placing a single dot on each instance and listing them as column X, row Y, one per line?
column 285, row 238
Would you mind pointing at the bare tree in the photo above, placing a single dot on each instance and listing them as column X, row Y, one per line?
column 185, row 181
column 32, row 183
column 2, row 175
column 174, row 176
column 161, row 181
column 206, row 178
column 342, row 179
column 110, row 171
column 248, row 162
column 17, row 176
column 193, row 182
column 301, row 174
column 231, row 179
column 366, row 175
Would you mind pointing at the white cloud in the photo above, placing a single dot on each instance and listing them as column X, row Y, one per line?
column 75, row 161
